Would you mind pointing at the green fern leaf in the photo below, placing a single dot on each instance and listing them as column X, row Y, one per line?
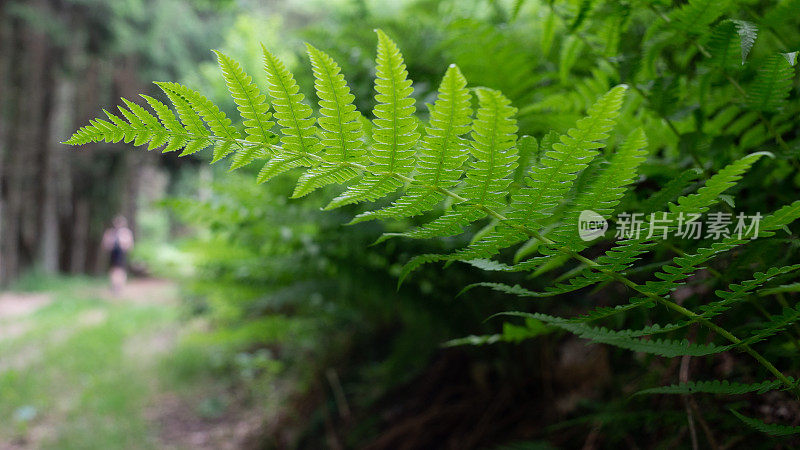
column 605, row 192
column 341, row 128
column 488, row 176
column 551, row 180
column 170, row 122
column 218, row 122
column 714, row 387
column 300, row 143
column 141, row 127
column 395, row 129
column 626, row 339
column 253, row 108
column 771, row 87
column 442, row 152
column 731, row 42
column 738, row 292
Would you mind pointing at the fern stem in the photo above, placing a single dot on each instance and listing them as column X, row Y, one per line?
column 729, row 336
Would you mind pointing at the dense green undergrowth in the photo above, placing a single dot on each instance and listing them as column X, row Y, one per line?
column 680, row 111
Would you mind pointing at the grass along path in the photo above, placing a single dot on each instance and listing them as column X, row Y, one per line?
column 80, row 369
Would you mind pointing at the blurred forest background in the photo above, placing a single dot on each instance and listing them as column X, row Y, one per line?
column 296, row 312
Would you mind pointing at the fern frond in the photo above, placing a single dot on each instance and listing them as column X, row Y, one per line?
column 299, row 139
column 252, row 106
column 731, row 42
column 767, row 428
column 714, row 387
column 626, row 339
column 341, row 128
column 553, row 177
column 776, row 324
column 140, row 127
column 394, row 132
column 708, row 195
column 170, row 122
column 488, row 175
column 737, row 292
column 769, row 90
column 619, row 258
column 219, row 124
column 605, row 192
column 671, row 275
column 442, row 151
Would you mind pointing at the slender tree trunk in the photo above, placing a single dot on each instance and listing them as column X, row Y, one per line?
column 11, row 165
column 5, row 62
column 53, row 170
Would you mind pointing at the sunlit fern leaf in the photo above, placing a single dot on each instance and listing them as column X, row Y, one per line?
column 253, row 108
column 341, row 129
column 626, row 252
column 696, row 15
column 767, row 428
column 394, row 132
column 748, row 32
column 708, row 195
column 604, row 193
column 300, row 143
column 191, row 121
column 714, row 387
column 495, row 157
column 451, row 223
column 170, row 122
column 442, row 151
column 139, row 126
column 560, row 165
column 552, row 178
column 489, row 174
column 140, row 117
column 769, row 90
column 627, row 339
column 219, row 124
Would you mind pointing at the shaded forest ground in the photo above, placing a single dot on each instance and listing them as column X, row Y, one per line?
column 80, row 368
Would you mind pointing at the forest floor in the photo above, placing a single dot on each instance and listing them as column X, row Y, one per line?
column 81, row 368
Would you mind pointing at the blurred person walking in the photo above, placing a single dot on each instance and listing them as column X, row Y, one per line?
column 118, row 241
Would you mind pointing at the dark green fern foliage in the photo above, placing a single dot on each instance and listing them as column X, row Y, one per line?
column 472, row 166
